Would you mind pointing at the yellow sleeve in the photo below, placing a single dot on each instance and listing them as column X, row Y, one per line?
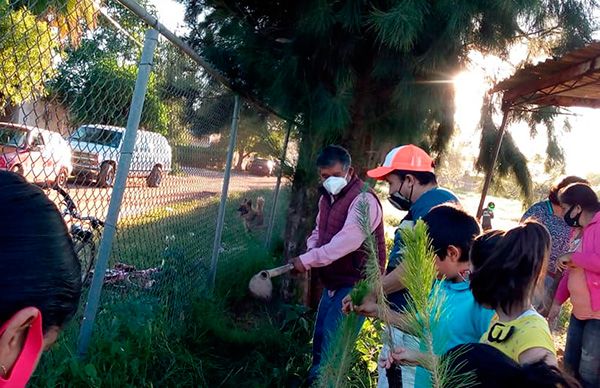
column 534, row 333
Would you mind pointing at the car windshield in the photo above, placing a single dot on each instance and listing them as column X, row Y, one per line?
column 13, row 137
column 98, row 136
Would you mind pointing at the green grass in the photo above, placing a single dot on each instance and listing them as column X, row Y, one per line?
column 177, row 333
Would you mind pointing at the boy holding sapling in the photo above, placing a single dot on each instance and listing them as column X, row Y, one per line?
column 409, row 172
column 462, row 319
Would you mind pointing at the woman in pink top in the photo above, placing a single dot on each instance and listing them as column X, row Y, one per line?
column 582, row 283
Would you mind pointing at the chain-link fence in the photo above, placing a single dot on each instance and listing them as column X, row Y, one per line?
column 160, row 170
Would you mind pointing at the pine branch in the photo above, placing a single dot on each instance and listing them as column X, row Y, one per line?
column 426, row 305
column 340, row 355
column 399, row 27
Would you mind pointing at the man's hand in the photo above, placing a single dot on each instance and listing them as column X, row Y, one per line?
column 405, row 356
column 347, row 305
column 368, row 308
column 298, row 266
column 564, row 261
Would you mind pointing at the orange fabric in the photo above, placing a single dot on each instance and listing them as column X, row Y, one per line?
column 407, row 158
column 580, row 295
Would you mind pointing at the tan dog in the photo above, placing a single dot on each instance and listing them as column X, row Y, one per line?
column 253, row 215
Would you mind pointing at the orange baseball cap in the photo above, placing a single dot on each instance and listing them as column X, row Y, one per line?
column 408, row 158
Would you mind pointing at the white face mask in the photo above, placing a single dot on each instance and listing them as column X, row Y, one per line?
column 335, row 184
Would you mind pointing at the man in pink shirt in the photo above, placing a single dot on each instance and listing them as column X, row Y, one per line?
column 334, row 248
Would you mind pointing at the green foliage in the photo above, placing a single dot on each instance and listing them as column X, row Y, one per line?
column 201, row 157
column 338, row 359
column 69, row 18
column 359, row 292
column 399, row 26
column 146, row 338
column 510, row 159
column 338, row 64
column 26, row 55
column 426, row 305
column 368, row 347
column 365, row 73
column 105, row 97
column 97, row 78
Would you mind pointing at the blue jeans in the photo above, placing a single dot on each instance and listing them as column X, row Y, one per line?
column 329, row 316
column 582, row 352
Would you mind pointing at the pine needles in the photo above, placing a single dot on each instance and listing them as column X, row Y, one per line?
column 339, row 357
column 426, row 305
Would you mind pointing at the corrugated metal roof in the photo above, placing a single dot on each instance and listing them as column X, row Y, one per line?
column 570, row 80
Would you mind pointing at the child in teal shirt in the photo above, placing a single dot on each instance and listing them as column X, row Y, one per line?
column 452, row 232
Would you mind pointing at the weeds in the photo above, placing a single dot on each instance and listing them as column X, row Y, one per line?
column 173, row 334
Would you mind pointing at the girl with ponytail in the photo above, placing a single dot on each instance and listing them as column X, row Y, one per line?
column 505, row 280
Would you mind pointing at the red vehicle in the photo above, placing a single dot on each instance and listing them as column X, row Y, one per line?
column 39, row 155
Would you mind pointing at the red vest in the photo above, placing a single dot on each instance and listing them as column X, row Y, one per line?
column 348, row 270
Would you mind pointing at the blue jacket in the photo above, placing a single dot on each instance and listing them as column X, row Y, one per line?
column 419, row 208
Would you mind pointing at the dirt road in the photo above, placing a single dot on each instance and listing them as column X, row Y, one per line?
column 138, row 199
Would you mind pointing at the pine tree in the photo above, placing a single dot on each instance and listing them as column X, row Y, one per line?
column 364, row 73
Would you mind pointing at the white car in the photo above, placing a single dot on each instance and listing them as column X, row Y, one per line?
column 96, row 150
column 41, row 156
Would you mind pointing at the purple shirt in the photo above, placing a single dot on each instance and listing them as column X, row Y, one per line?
column 559, row 230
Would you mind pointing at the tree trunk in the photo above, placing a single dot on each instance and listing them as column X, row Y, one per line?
column 358, row 138
column 304, row 196
column 240, row 159
column 301, row 218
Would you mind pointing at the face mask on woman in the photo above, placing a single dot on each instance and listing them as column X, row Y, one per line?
column 18, row 375
column 572, row 221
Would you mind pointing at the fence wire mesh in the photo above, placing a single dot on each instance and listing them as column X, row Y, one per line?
column 67, row 76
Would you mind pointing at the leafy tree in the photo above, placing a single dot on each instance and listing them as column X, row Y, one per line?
column 105, row 98
column 26, row 54
column 258, row 134
column 362, row 72
column 32, row 35
column 97, row 79
column 70, row 18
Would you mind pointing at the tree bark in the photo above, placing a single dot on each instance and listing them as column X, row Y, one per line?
column 240, row 159
column 301, row 219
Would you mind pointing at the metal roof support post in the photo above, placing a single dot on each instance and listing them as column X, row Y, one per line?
column 490, row 172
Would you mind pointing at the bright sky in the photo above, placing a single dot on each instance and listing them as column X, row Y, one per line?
column 581, row 145
column 170, row 13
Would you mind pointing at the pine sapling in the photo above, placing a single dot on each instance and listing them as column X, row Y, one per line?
column 340, row 354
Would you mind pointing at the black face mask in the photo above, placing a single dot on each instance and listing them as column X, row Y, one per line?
column 399, row 201
column 572, row 221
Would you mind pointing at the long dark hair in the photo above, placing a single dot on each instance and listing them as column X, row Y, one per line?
column 484, row 246
column 582, row 195
column 566, row 181
column 511, row 272
column 38, row 267
column 493, row 369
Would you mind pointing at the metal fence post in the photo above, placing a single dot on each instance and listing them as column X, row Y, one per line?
column 221, row 215
column 133, row 121
column 278, row 186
